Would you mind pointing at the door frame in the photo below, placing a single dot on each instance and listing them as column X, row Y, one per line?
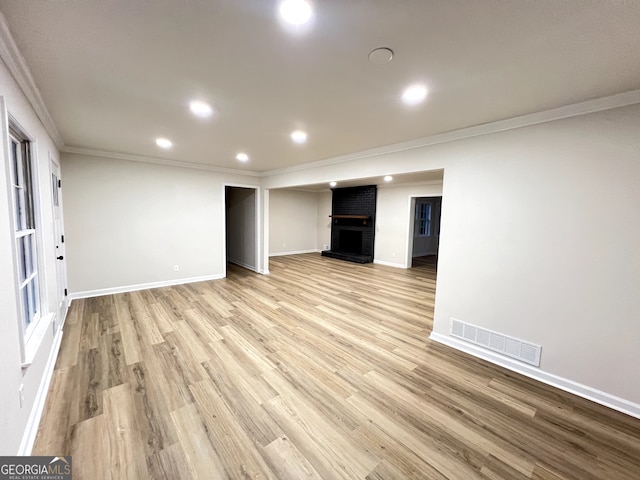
column 59, row 247
column 410, row 229
column 258, row 224
column 408, row 261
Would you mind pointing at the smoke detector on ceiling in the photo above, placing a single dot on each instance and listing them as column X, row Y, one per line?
column 381, row 55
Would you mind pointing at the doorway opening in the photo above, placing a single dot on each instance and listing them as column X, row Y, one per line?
column 241, row 227
column 426, row 231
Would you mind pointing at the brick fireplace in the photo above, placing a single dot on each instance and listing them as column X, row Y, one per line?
column 353, row 213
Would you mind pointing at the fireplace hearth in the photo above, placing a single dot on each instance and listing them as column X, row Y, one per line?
column 353, row 224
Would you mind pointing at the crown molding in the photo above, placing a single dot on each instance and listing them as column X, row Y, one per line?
column 17, row 65
column 158, row 161
column 625, row 99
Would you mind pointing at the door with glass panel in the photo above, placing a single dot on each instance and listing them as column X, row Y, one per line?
column 58, row 240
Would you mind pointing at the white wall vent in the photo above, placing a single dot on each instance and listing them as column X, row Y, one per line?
column 519, row 349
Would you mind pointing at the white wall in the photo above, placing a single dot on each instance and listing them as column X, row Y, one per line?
column 128, row 223
column 241, row 226
column 293, row 222
column 15, row 419
column 394, row 213
column 556, row 262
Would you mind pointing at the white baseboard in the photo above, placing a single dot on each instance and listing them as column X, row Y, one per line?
column 584, row 391
column 142, row 286
column 295, row 252
column 389, row 264
column 29, row 436
column 65, row 311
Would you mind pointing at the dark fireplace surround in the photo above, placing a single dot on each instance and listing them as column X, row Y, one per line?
column 353, row 215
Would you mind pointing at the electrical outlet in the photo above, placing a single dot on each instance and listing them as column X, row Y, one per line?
column 284, row 244
column 176, row 268
column 326, row 247
column 21, row 394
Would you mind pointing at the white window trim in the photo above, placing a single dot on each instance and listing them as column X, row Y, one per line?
column 419, row 204
column 32, row 336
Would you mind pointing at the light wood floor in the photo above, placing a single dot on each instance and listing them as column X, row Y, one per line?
column 322, row 369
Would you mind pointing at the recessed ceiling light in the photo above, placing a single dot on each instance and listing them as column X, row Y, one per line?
column 164, row 143
column 388, row 178
column 295, row 12
column 333, row 184
column 299, row 136
column 242, row 157
column 414, row 94
column 200, row 109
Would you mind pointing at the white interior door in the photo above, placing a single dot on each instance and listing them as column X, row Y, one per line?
column 58, row 238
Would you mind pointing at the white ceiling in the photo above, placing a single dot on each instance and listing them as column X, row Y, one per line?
column 116, row 74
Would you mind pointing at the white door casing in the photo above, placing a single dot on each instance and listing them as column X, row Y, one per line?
column 58, row 238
